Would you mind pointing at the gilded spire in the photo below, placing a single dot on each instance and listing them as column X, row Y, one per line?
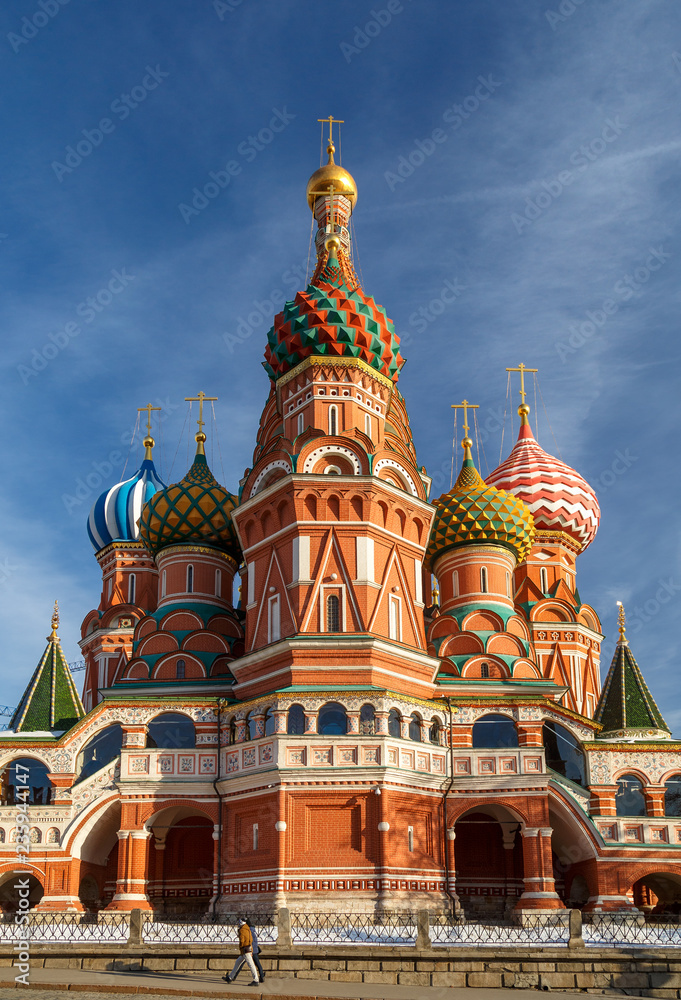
column 621, row 622
column 523, row 409
column 52, row 637
column 467, row 443
column 200, row 437
column 148, row 441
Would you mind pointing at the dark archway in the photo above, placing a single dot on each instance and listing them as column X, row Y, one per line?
column 186, row 878
column 658, row 893
column 9, row 898
column 489, row 864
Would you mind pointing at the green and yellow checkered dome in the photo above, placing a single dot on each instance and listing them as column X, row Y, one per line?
column 197, row 510
column 475, row 513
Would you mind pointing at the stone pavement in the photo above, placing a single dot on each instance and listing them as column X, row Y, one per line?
column 50, row 984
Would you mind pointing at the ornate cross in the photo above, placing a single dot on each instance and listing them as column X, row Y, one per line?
column 465, row 406
column 522, row 369
column 200, row 399
column 331, row 120
column 148, row 408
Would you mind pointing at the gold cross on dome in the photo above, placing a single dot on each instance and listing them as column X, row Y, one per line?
column 331, row 120
column 522, row 369
column 465, row 406
column 200, row 399
column 148, row 408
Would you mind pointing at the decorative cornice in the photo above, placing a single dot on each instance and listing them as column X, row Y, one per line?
column 320, row 360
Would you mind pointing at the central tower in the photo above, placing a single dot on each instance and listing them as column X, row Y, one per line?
column 333, row 516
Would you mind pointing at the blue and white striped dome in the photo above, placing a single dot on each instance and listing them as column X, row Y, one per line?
column 116, row 513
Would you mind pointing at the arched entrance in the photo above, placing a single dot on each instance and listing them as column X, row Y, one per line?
column 489, row 862
column 9, row 896
column 96, row 844
column 658, row 893
column 181, row 861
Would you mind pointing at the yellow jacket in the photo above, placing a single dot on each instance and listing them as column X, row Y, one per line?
column 245, row 939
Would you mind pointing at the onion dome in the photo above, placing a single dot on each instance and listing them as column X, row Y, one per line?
column 115, row 513
column 475, row 513
column 195, row 511
column 333, row 317
column 560, row 500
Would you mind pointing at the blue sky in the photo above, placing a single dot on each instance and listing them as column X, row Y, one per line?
column 526, row 153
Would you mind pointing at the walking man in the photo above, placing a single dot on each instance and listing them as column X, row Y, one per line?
column 256, row 950
column 245, row 954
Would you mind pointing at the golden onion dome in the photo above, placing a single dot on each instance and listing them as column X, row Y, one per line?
column 331, row 174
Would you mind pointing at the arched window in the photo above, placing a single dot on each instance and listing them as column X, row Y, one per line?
column 394, row 723
column 672, row 796
column 24, row 781
column 493, row 732
column 180, row 668
column 269, row 723
column 484, row 670
column 332, row 613
column 455, row 583
column 190, row 579
column 251, row 725
column 301, row 423
column 333, row 420
column 483, row 580
column 163, row 583
column 629, row 799
column 415, row 727
column 99, row 751
column 367, row 720
column 563, row 752
column 544, row 580
column 131, row 588
column 171, row 731
column 367, row 425
column 508, row 585
column 218, row 582
column 232, row 731
column 333, row 720
column 295, row 725
column 434, row 732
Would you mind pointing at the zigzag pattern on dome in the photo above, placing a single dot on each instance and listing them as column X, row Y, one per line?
column 559, row 498
column 329, row 319
column 196, row 510
column 474, row 512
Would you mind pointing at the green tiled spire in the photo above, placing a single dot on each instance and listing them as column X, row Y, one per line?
column 50, row 703
column 626, row 707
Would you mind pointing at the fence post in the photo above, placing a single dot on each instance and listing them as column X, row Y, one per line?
column 576, row 940
column 283, row 927
column 135, row 928
column 423, row 929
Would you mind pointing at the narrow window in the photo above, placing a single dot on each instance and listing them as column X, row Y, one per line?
column 274, row 623
column 333, row 420
column 131, row 588
column 218, row 582
column 395, row 623
column 163, row 584
column 508, row 585
column 332, row 614
column 484, row 669
column 367, row 424
column 483, row 580
column 410, row 837
column 255, row 836
column 110, row 589
column 544, row 580
column 190, row 579
column 180, row 669
column 301, row 423
column 455, row 584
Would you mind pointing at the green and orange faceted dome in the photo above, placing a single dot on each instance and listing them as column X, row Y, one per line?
column 474, row 513
column 195, row 511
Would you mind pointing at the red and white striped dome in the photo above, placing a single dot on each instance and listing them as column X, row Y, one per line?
column 560, row 500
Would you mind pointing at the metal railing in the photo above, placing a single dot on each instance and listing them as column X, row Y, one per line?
column 534, row 929
column 204, row 928
column 624, row 930
column 50, row 927
column 385, row 928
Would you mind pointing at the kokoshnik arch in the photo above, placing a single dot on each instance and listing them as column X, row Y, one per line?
column 346, row 736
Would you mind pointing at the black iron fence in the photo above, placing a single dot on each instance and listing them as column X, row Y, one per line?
column 50, row 927
column 550, row 929
column 384, row 928
column 205, row 928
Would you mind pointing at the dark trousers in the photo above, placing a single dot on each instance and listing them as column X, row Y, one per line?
column 258, row 966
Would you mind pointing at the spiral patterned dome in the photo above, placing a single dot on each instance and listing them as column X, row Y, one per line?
column 115, row 513
column 473, row 512
column 333, row 320
column 559, row 498
column 197, row 510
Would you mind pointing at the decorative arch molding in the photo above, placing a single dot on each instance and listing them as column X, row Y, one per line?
column 402, row 473
column 478, row 619
column 328, row 451
column 279, row 464
column 498, row 670
column 551, row 610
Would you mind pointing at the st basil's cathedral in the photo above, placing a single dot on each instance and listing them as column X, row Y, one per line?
column 402, row 709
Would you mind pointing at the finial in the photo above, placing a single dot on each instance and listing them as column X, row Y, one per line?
column 466, row 444
column 200, row 437
column 435, row 595
column 148, row 441
column 331, row 149
column 621, row 621
column 523, row 409
column 55, row 623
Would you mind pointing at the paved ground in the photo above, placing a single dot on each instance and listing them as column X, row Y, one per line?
column 50, row 984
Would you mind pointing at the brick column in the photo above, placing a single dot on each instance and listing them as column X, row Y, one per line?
column 539, row 892
column 280, row 827
column 602, row 802
column 462, row 736
column 311, row 720
column 353, row 722
column 241, row 730
column 530, row 734
column 381, row 723
column 131, row 880
column 654, row 795
column 60, row 782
